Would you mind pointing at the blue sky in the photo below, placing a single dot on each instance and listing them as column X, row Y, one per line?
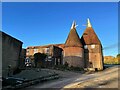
column 46, row 23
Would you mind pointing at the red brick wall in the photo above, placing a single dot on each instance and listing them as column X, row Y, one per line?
column 73, row 51
column 95, row 57
column 74, row 56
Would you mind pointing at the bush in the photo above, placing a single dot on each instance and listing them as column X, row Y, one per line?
column 113, row 61
column 66, row 64
column 16, row 71
column 66, row 67
column 60, row 67
column 75, row 68
column 39, row 58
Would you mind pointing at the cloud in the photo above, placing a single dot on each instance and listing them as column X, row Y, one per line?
column 112, row 46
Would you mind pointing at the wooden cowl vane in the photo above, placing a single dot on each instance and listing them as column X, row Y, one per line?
column 73, row 51
column 92, row 48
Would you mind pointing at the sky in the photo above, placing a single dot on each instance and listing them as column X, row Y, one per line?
column 42, row 23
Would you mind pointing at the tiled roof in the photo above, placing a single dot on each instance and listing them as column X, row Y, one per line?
column 73, row 39
column 90, row 37
column 46, row 46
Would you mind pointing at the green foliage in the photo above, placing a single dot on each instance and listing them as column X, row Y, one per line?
column 113, row 61
column 16, row 71
column 66, row 67
column 60, row 67
column 71, row 68
column 118, row 55
column 39, row 57
column 66, row 64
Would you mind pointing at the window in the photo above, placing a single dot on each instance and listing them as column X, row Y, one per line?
column 46, row 50
column 35, row 51
column 85, row 47
column 92, row 46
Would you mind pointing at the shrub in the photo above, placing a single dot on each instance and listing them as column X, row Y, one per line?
column 66, row 67
column 16, row 71
column 71, row 68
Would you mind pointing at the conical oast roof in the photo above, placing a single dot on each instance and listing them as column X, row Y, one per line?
column 73, row 39
column 89, row 36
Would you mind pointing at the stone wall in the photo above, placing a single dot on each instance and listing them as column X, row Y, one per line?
column 11, row 49
column 22, row 58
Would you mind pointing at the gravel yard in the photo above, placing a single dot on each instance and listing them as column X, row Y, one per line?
column 103, row 79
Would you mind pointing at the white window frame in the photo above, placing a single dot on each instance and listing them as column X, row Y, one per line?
column 35, row 50
column 47, row 50
column 85, row 47
column 93, row 46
